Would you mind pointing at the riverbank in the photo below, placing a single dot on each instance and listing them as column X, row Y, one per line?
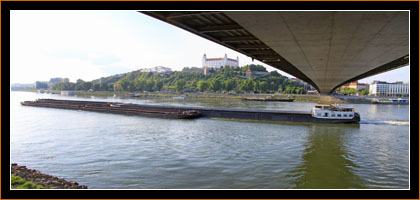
column 320, row 99
column 297, row 97
column 24, row 178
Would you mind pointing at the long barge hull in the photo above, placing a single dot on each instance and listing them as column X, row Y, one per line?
column 249, row 114
column 107, row 108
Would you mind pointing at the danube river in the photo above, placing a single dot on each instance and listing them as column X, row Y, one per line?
column 109, row 151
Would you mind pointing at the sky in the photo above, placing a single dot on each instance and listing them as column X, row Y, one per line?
column 88, row 45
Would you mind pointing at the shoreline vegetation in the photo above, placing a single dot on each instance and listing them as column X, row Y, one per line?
column 24, row 178
column 227, row 79
column 249, row 81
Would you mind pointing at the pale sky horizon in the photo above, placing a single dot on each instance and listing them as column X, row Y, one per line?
column 93, row 44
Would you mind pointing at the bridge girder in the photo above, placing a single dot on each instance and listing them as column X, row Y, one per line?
column 323, row 48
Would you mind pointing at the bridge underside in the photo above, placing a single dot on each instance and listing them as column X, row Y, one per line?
column 324, row 48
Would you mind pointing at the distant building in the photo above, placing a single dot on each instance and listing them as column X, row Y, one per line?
column 357, row 86
column 381, row 88
column 352, row 85
column 362, row 86
column 54, row 81
column 216, row 63
column 193, row 69
column 250, row 74
column 157, row 69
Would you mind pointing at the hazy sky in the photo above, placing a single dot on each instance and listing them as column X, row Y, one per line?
column 93, row 44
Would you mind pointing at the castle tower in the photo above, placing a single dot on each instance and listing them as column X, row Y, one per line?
column 204, row 60
column 237, row 60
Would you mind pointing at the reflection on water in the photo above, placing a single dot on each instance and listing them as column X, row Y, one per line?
column 117, row 151
column 325, row 159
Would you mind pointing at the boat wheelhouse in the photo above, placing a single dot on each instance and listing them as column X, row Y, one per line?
column 333, row 112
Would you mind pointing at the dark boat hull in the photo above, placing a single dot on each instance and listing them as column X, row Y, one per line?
column 106, row 108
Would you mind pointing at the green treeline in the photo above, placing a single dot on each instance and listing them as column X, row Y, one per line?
column 225, row 79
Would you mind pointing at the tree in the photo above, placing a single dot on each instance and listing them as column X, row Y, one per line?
column 288, row 89
column 248, row 85
column 131, row 86
column 256, row 85
column 124, row 84
column 215, row 85
column 298, row 90
column 117, row 87
column 103, row 86
column 110, row 86
column 86, row 85
column 280, row 89
column 230, row 84
column 203, row 85
column 179, row 85
column 96, row 87
column 157, row 85
column 225, row 79
column 41, row 85
column 263, row 87
column 364, row 92
column 140, row 84
column 275, row 73
column 149, row 85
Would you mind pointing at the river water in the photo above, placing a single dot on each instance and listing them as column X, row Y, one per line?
column 109, row 151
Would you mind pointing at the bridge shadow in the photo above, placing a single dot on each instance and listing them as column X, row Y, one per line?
column 327, row 163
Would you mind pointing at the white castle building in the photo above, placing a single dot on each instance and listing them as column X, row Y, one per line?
column 216, row 63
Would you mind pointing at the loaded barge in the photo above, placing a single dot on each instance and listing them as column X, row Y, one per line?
column 320, row 113
column 117, row 108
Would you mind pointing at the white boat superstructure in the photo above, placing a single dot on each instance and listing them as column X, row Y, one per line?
column 332, row 112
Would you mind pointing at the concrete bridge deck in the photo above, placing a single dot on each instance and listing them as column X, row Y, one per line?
column 324, row 48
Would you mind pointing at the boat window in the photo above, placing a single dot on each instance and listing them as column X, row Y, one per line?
column 319, row 114
column 345, row 115
column 325, row 114
column 332, row 115
column 338, row 115
column 350, row 115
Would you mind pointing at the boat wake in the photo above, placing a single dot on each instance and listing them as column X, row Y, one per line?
column 398, row 123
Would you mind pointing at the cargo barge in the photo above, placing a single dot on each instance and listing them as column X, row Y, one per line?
column 117, row 108
column 321, row 113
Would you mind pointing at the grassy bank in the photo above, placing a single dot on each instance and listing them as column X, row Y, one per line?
column 20, row 183
column 25, row 178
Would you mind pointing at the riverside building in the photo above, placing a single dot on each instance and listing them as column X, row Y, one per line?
column 357, row 86
column 157, row 69
column 380, row 88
